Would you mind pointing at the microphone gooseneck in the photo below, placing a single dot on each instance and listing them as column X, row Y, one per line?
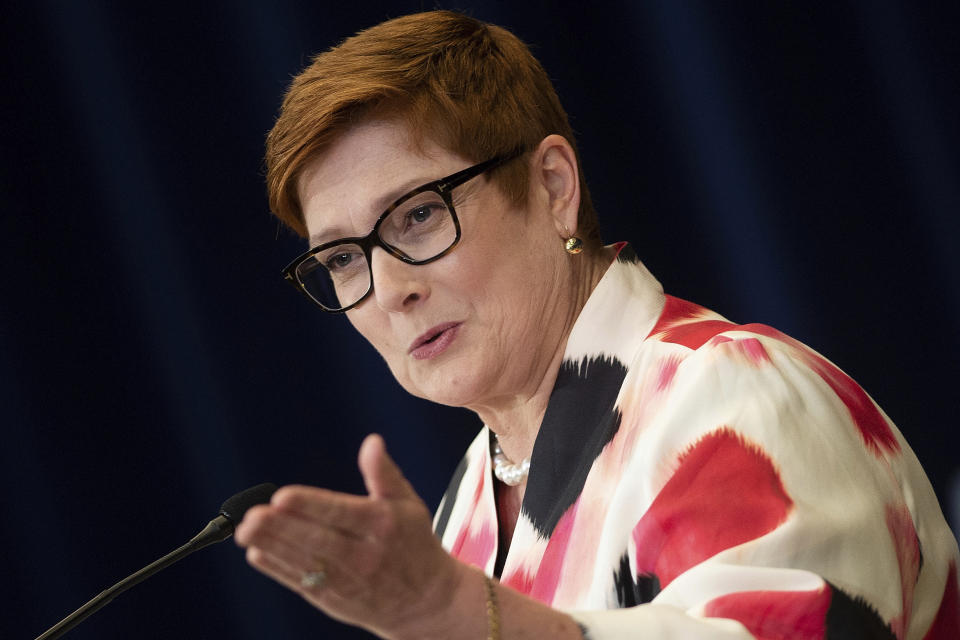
column 217, row 530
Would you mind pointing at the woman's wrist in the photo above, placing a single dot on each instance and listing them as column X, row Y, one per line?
column 453, row 609
column 473, row 606
column 510, row 615
column 493, row 609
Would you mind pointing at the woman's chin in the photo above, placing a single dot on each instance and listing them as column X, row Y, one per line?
column 445, row 396
column 442, row 388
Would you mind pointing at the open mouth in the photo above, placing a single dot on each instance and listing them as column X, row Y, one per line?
column 433, row 341
column 432, row 338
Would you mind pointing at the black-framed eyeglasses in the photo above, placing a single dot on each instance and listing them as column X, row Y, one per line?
column 417, row 228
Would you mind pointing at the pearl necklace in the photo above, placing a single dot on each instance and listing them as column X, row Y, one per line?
column 506, row 470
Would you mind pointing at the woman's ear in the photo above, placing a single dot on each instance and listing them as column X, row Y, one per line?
column 555, row 172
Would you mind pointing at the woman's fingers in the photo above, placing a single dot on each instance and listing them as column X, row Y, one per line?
column 356, row 515
column 291, row 576
column 303, row 543
column 275, row 567
column 326, row 595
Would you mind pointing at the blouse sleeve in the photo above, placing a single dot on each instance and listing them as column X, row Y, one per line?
column 767, row 496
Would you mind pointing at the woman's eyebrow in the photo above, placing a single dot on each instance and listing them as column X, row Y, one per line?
column 401, row 190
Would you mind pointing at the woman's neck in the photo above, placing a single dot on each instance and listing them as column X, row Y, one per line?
column 516, row 419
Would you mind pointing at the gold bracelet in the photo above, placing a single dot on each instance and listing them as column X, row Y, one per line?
column 493, row 611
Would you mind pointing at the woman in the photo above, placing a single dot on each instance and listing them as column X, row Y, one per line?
column 646, row 468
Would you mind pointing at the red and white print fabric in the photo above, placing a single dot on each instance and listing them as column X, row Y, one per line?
column 694, row 478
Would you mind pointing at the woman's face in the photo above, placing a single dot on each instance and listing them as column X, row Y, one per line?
column 474, row 328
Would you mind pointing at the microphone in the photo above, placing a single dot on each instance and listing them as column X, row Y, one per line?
column 217, row 530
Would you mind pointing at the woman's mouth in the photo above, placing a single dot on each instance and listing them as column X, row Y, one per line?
column 434, row 342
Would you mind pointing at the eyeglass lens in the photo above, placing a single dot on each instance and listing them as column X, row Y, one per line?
column 420, row 228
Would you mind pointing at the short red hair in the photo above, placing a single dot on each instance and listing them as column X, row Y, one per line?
column 473, row 88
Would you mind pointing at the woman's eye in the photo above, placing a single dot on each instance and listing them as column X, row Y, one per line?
column 338, row 261
column 420, row 215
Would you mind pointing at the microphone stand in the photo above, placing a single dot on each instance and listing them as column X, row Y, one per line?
column 218, row 529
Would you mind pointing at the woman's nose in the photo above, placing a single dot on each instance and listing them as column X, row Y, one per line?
column 397, row 286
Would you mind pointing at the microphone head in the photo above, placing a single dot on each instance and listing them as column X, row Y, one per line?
column 235, row 506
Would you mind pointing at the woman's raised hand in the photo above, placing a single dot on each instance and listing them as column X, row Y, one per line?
column 371, row 561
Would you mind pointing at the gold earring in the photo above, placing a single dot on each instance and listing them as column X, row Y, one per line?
column 574, row 245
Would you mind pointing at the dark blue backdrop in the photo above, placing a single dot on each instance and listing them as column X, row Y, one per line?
column 796, row 166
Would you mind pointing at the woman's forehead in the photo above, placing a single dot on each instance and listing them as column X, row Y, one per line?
column 358, row 176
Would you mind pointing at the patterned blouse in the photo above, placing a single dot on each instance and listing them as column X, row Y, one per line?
column 694, row 478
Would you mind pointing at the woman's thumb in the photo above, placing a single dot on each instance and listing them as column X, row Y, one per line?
column 381, row 475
